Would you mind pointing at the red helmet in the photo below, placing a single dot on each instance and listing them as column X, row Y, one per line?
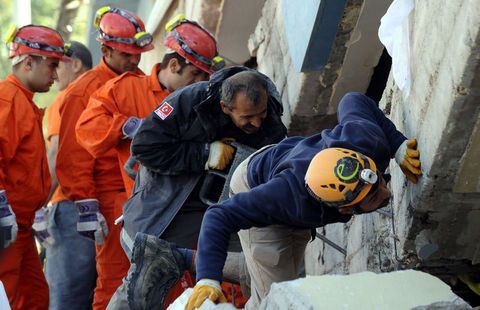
column 38, row 40
column 194, row 43
column 122, row 30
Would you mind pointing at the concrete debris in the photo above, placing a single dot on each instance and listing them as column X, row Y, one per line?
column 365, row 290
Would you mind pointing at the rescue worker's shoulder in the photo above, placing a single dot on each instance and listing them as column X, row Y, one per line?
column 8, row 92
column 14, row 101
column 127, row 78
column 86, row 84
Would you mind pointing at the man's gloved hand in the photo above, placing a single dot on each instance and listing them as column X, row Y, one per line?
column 8, row 221
column 408, row 158
column 219, row 156
column 131, row 126
column 91, row 223
column 40, row 225
column 205, row 288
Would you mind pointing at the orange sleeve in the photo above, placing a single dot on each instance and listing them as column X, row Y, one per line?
column 9, row 136
column 99, row 128
column 75, row 165
column 53, row 118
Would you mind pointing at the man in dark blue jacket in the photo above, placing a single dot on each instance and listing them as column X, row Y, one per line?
column 284, row 191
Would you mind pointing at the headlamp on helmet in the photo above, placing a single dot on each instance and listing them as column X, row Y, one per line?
column 143, row 38
column 217, row 63
column 99, row 14
column 176, row 21
column 12, row 31
column 67, row 49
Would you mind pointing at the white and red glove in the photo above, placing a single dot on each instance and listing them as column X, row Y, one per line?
column 40, row 226
column 131, row 126
column 8, row 222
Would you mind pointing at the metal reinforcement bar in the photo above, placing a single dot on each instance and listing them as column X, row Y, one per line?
column 332, row 244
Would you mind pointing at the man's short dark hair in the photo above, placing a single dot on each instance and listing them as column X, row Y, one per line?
column 183, row 63
column 81, row 52
column 250, row 82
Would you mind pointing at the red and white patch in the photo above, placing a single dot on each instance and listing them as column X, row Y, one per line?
column 164, row 110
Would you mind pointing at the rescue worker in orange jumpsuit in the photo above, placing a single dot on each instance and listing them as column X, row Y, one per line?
column 67, row 285
column 115, row 112
column 24, row 178
column 93, row 185
column 67, row 73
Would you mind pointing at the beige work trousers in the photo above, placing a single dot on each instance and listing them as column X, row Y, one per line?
column 274, row 253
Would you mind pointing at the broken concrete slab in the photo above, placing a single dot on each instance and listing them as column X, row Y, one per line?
column 365, row 290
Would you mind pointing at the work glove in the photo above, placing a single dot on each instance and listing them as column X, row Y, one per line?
column 131, row 126
column 8, row 222
column 40, row 225
column 219, row 156
column 408, row 158
column 205, row 288
column 91, row 223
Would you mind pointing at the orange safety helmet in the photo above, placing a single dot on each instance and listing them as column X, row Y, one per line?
column 194, row 43
column 37, row 40
column 340, row 177
column 122, row 30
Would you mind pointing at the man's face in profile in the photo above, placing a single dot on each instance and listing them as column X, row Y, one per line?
column 378, row 197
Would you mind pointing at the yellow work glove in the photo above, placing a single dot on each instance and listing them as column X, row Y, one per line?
column 408, row 158
column 219, row 156
column 205, row 288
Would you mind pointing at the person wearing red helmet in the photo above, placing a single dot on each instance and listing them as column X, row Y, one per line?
column 115, row 112
column 92, row 185
column 35, row 52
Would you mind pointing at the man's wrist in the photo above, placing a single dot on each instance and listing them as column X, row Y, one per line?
column 210, row 282
column 401, row 151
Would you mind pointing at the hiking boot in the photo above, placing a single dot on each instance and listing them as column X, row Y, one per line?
column 153, row 272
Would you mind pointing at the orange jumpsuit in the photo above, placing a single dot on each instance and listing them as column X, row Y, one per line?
column 53, row 128
column 82, row 176
column 24, row 176
column 99, row 129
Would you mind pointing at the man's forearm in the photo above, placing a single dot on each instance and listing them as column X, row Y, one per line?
column 52, row 161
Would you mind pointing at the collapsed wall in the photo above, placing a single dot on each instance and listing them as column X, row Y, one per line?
column 432, row 225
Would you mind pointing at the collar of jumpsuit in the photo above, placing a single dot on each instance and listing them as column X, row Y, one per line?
column 11, row 78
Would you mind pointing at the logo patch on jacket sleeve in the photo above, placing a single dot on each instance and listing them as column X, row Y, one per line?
column 164, row 110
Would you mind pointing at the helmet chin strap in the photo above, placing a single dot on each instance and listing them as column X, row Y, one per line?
column 367, row 176
column 18, row 59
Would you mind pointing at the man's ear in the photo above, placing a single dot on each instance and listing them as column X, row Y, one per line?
column 173, row 65
column 225, row 108
column 76, row 65
column 28, row 63
column 105, row 51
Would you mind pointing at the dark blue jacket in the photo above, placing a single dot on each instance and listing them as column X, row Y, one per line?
column 173, row 150
column 277, row 181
